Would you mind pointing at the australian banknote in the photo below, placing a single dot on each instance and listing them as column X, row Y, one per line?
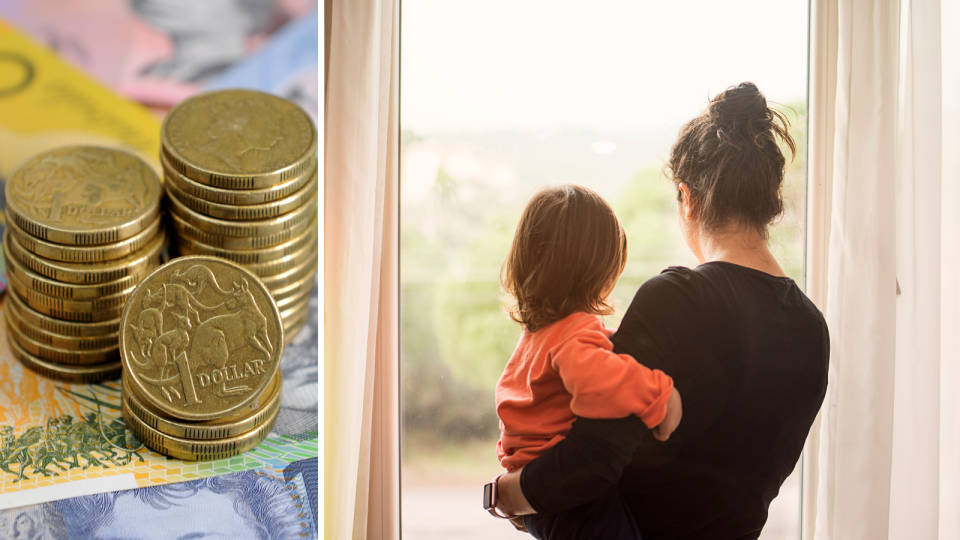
column 276, row 503
column 287, row 65
column 60, row 440
column 154, row 51
column 45, row 103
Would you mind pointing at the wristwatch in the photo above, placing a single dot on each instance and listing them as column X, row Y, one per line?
column 490, row 495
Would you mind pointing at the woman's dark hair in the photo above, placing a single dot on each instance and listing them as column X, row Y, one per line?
column 568, row 249
column 730, row 159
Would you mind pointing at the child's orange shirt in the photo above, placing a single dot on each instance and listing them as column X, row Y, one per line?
column 569, row 369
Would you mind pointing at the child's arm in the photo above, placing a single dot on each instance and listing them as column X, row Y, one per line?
column 608, row 385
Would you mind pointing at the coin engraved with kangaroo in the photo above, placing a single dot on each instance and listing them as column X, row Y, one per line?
column 201, row 338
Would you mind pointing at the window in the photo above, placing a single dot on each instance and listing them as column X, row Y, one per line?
column 499, row 97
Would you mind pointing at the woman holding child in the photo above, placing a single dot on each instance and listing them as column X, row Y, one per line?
column 735, row 337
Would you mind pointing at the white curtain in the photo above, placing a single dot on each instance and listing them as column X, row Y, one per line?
column 915, row 468
column 882, row 462
column 361, row 315
column 949, row 459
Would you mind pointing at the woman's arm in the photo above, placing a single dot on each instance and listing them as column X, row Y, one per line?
column 587, row 463
column 510, row 500
column 581, row 468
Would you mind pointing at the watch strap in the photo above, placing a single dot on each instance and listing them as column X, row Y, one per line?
column 491, row 494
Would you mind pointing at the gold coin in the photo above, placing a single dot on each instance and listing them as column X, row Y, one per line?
column 98, row 295
column 285, row 263
column 193, row 449
column 83, row 195
column 200, row 338
column 238, row 139
column 187, row 231
column 294, row 331
column 103, row 309
column 237, row 196
column 56, row 354
column 58, row 341
column 106, row 329
column 252, row 256
column 76, row 374
column 245, row 229
column 294, row 288
column 303, row 289
column 85, row 254
column 130, row 268
column 293, row 327
column 266, row 210
column 230, row 426
column 294, row 308
column 277, row 281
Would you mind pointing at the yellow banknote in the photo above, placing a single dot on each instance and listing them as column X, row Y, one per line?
column 45, row 103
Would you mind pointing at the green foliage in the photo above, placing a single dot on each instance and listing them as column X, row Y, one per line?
column 648, row 213
column 476, row 337
column 787, row 234
column 455, row 340
column 434, row 401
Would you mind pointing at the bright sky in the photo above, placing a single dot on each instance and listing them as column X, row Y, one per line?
column 621, row 65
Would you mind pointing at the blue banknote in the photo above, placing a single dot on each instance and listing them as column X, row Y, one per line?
column 261, row 504
column 300, row 367
column 287, row 65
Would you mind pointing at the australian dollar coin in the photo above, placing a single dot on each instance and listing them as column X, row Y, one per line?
column 239, row 139
column 83, row 195
column 200, row 338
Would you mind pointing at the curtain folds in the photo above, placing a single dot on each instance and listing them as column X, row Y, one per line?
column 883, row 462
column 857, row 422
column 361, row 315
column 949, row 460
column 914, row 508
column 822, row 83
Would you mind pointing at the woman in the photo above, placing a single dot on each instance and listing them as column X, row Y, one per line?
column 746, row 348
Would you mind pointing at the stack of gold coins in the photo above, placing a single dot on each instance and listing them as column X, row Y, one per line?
column 201, row 340
column 241, row 176
column 83, row 229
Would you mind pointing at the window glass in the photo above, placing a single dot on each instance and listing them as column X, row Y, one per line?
column 500, row 97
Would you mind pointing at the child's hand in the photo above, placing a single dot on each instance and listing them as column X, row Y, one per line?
column 672, row 419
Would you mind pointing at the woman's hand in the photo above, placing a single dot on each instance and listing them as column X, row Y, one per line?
column 670, row 421
column 510, row 499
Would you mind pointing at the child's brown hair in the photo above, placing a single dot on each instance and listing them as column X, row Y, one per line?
column 568, row 250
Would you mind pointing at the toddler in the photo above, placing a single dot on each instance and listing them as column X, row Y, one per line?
column 567, row 254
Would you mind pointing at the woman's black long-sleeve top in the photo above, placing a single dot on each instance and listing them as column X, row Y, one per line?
column 748, row 353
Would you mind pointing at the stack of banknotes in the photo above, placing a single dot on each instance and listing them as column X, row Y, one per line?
column 83, row 229
column 240, row 169
column 69, row 465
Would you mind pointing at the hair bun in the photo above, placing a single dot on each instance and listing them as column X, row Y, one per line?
column 730, row 157
column 740, row 110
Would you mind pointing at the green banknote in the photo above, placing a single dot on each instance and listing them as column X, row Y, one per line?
column 60, row 440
